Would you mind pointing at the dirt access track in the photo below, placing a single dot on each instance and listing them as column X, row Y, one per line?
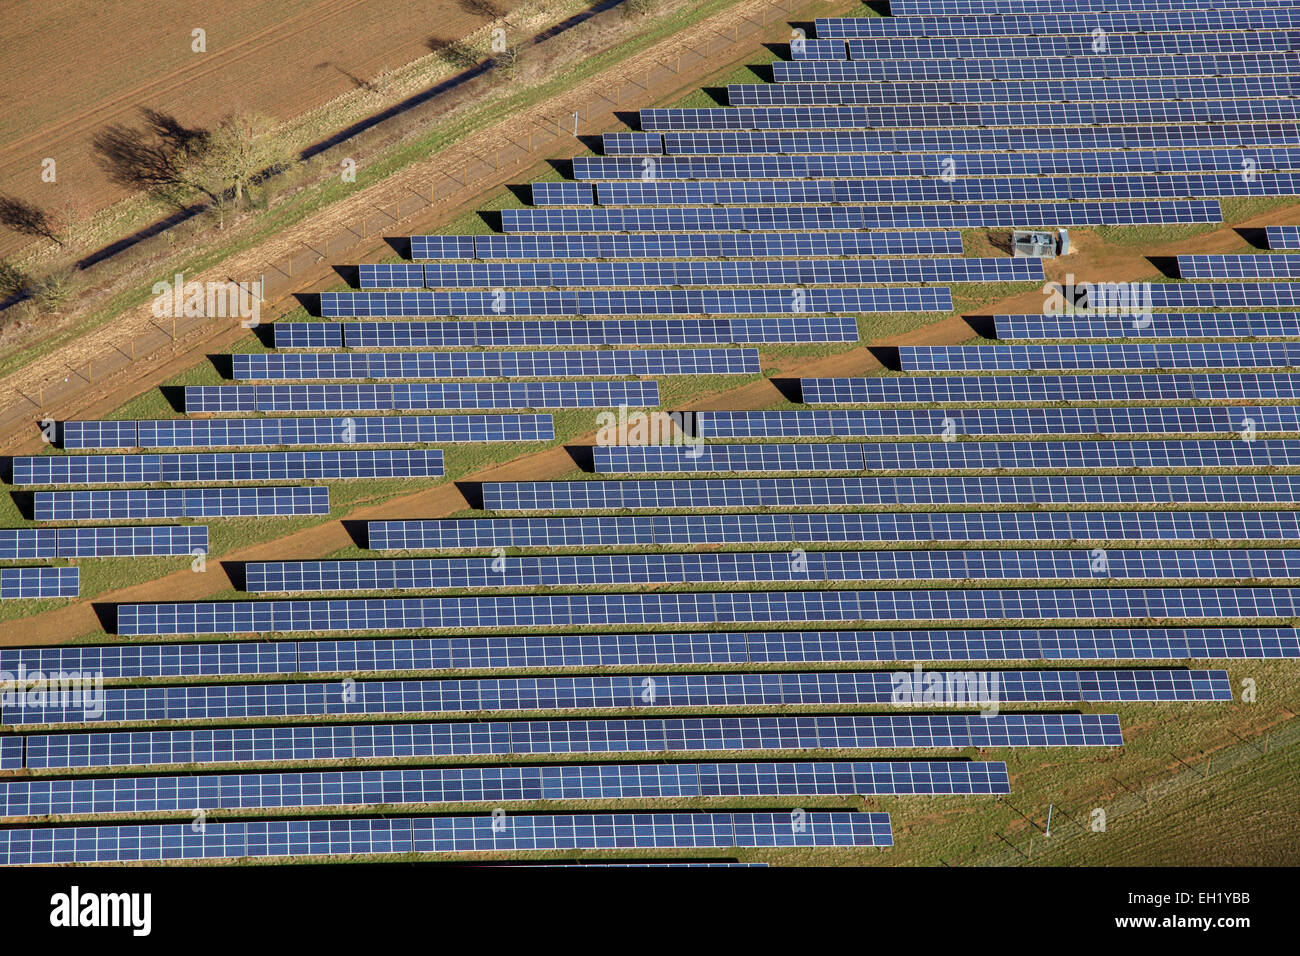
column 69, row 69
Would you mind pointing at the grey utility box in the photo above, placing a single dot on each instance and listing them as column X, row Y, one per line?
column 1040, row 242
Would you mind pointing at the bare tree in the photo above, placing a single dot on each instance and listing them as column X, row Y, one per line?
column 240, row 150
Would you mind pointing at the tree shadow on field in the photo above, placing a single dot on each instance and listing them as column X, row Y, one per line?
column 150, row 157
column 27, row 219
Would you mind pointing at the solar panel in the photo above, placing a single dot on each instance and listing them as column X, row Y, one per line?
column 719, row 331
column 1017, row 422
column 507, row 694
column 360, row 430
column 835, row 218
column 399, row 365
column 133, row 542
column 1138, row 355
column 810, row 528
column 803, row 493
column 946, row 455
column 1017, row 139
column 308, row 335
column 11, row 753
column 28, row 544
column 873, row 93
column 76, row 435
column 1151, row 325
column 1012, row 68
column 724, row 272
column 1260, row 386
column 389, row 275
column 1116, row 44
column 1283, row 237
column 1190, row 295
column 981, row 189
column 16, row 583
column 707, row 608
column 851, row 165
column 1238, row 267
column 418, row 397
column 442, row 247
column 717, row 245
column 564, row 193
column 226, row 466
column 359, row 788
column 393, row 655
column 901, row 8
column 1103, row 112
column 481, row 738
column 318, row 837
column 148, row 503
column 588, row 570
column 631, row 143
column 1050, row 23
column 634, row 301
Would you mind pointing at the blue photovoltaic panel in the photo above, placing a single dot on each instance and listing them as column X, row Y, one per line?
column 480, row 738
column 360, row 430
column 635, row 301
column 132, row 542
column 399, row 365
column 586, row 570
column 707, row 608
column 1139, row 355
column 890, row 491
column 855, row 165
column 718, row 331
column 946, row 8
column 958, row 189
column 624, row 531
column 1120, row 297
column 1043, row 91
column 1104, row 112
column 226, row 466
column 946, row 455
column 11, row 753
column 308, row 335
column 1018, row 422
column 565, row 193
column 28, row 543
column 1283, row 237
column 138, row 504
column 1177, row 325
column 631, row 143
column 338, row 788
column 39, row 582
column 1117, row 44
column 1013, row 139
column 835, row 218
column 716, row 245
column 1053, row 388
column 394, row 655
column 389, row 275
column 810, row 49
column 442, row 247
column 417, row 397
column 1239, row 267
column 95, row 434
column 262, row 701
column 317, row 837
column 1049, row 23
column 728, row 272
column 1009, row 69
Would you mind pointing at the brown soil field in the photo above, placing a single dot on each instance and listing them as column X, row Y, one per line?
column 70, row 69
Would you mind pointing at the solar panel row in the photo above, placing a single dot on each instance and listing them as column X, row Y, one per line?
column 418, row 397
column 1116, row 44
column 272, row 839
column 143, row 504
column 482, row 738
column 1238, row 267
column 620, row 531
column 1210, row 386
column 634, row 301
column 225, row 466
column 18, row 583
column 705, row 245
column 398, row 365
column 361, row 430
column 792, row 328
column 339, row 788
column 901, row 8
column 506, row 694
column 1283, row 237
column 591, row 570
column 891, row 491
column 1022, row 422
column 1137, row 355
column 1050, row 23
column 394, row 655
column 1151, row 325
column 708, row 608
column 1011, row 69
